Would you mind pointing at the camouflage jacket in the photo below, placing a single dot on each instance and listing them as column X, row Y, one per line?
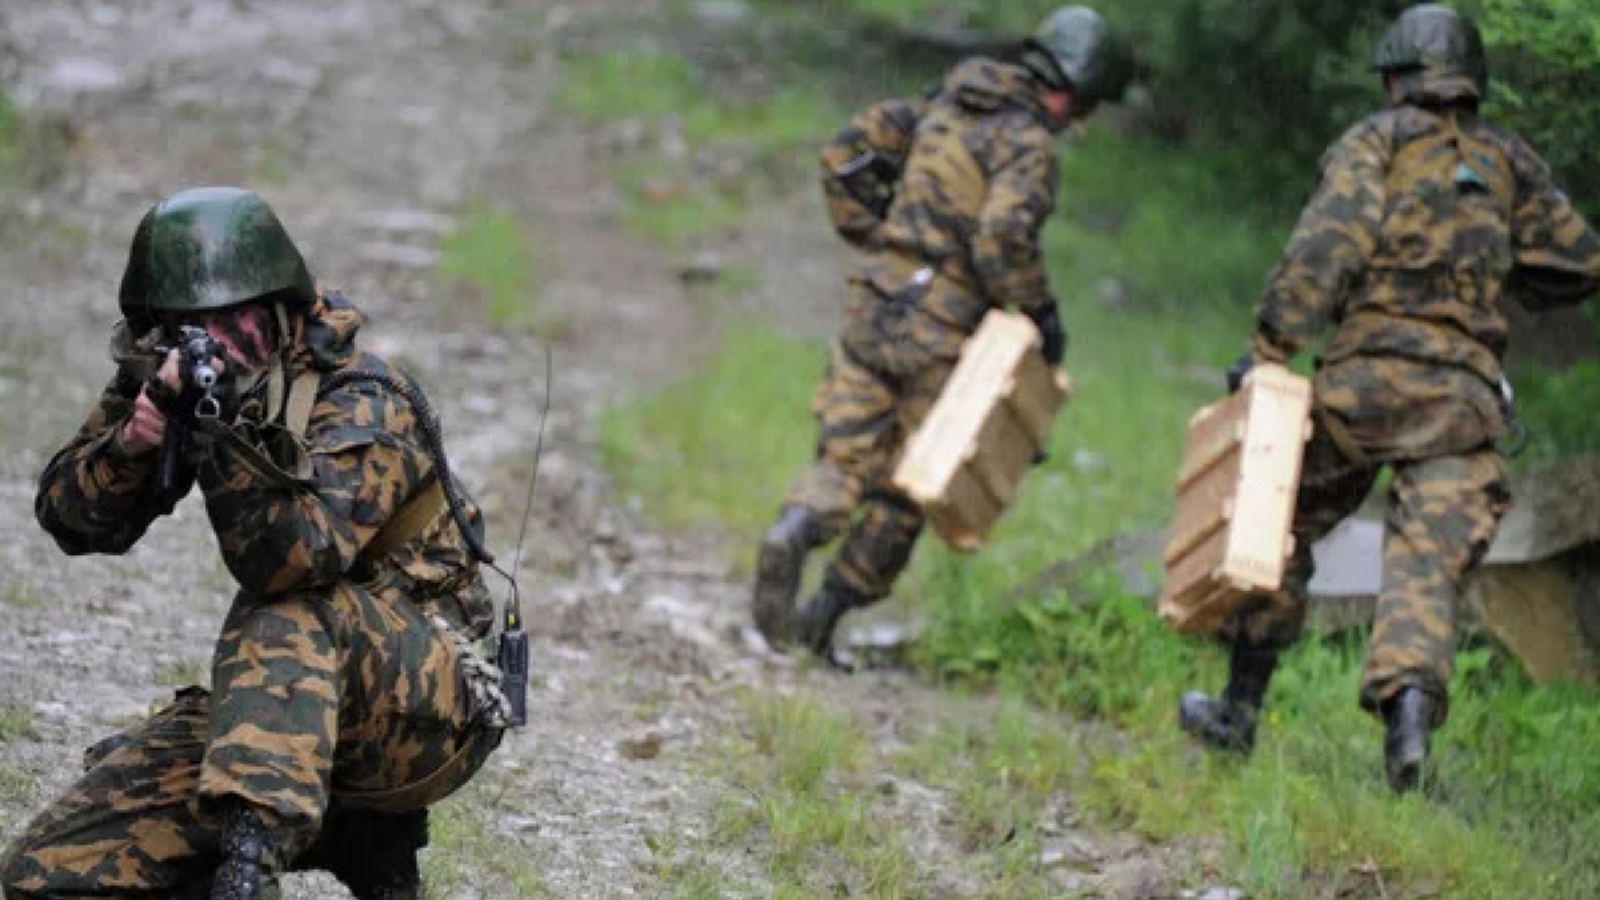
column 961, row 181
column 1420, row 225
column 366, row 456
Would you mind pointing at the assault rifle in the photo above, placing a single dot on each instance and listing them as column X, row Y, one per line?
column 197, row 378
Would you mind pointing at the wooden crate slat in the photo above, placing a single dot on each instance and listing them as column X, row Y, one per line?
column 1236, row 494
column 965, row 464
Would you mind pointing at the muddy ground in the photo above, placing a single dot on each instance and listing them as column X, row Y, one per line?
column 370, row 126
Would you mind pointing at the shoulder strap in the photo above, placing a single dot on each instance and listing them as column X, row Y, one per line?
column 408, row 522
column 302, row 396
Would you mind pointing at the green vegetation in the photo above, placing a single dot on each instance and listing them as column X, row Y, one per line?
column 720, row 447
column 184, row 672
column 16, row 723
column 1266, row 86
column 12, row 133
column 22, row 594
column 16, row 785
column 1158, row 253
column 702, row 146
column 489, row 255
column 1559, row 408
column 799, row 785
column 1512, row 814
column 1548, row 82
column 467, row 856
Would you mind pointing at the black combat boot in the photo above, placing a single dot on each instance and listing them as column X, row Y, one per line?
column 244, row 873
column 818, row 619
column 783, row 557
column 1229, row 722
column 373, row 853
column 1408, row 717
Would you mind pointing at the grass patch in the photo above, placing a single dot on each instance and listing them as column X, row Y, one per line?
column 22, row 595
column 16, row 786
column 489, row 257
column 184, row 672
column 12, row 135
column 669, row 206
column 728, row 142
column 1556, row 406
column 799, row 800
column 468, row 857
column 16, row 724
column 718, row 448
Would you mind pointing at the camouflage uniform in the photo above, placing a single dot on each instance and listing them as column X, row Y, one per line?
column 1424, row 218
column 976, row 171
column 348, row 693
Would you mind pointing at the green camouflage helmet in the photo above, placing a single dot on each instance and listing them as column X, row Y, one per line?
column 1436, row 53
column 1073, row 50
column 211, row 248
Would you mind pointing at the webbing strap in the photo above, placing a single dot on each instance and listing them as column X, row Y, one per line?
column 409, row 521
column 302, row 396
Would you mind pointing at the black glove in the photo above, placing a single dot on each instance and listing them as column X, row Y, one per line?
column 1048, row 321
column 1236, row 372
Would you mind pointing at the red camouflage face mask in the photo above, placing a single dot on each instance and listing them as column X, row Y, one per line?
column 248, row 335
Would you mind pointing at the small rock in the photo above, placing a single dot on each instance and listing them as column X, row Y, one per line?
column 1113, row 292
column 409, row 221
column 54, row 712
column 81, row 75
column 1221, row 893
column 518, row 824
column 670, row 608
column 287, row 71
column 1071, row 851
column 482, row 405
column 704, row 268
column 644, row 743
column 1086, row 460
column 404, row 256
column 721, row 13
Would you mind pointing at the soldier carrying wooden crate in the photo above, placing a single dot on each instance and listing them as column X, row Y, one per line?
column 1425, row 216
column 946, row 193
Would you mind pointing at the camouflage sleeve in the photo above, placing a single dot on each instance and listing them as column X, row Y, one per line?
column 1022, row 193
column 93, row 496
column 862, row 163
column 1557, row 254
column 1337, row 234
column 367, row 459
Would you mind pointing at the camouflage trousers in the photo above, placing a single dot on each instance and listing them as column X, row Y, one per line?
column 872, row 398
column 350, row 701
column 1441, row 515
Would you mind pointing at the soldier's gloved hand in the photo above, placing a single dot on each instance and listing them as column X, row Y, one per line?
column 1048, row 321
column 145, row 429
column 1236, row 372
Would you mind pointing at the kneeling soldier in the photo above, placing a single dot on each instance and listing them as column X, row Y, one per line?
column 349, row 691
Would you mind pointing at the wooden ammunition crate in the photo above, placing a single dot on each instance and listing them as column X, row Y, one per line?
column 993, row 417
column 1236, row 493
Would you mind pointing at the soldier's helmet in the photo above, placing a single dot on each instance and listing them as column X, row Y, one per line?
column 211, row 248
column 1073, row 49
column 1434, row 52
